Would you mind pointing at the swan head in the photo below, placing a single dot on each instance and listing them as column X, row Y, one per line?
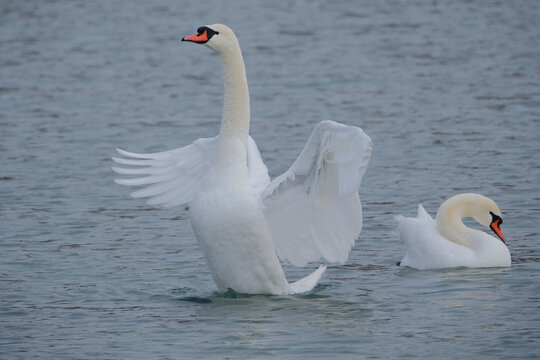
column 479, row 207
column 487, row 213
column 217, row 37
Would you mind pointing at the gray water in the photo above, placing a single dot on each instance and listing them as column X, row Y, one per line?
column 448, row 91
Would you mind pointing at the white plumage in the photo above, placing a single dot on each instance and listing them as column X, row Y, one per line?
column 446, row 242
column 242, row 220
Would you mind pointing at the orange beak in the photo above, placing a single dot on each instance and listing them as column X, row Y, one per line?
column 496, row 227
column 200, row 38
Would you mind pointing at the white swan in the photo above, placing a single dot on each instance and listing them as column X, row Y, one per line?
column 446, row 242
column 241, row 219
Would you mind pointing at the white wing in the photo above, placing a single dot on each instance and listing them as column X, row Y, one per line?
column 313, row 209
column 257, row 171
column 174, row 176
column 426, row 248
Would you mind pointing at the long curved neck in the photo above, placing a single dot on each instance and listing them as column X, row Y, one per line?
column 231, row 151
column 236, row 113
column 450, row 221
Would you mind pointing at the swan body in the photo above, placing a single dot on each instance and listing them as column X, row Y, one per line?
column 243, row 221
column 446, row 242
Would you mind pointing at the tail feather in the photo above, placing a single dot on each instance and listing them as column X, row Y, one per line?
column 309, row 282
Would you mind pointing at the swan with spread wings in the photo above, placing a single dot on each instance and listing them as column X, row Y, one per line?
column 243, row 221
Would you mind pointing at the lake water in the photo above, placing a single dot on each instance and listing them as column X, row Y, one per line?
column 448, row 91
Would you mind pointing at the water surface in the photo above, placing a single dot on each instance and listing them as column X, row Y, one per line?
column 448, row 91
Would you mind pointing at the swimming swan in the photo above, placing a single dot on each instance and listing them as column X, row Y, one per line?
column 241, row 219
column 446, row 242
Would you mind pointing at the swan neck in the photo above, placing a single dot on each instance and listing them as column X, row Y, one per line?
column 236, row 112
column 231, row 149
column 450, row 223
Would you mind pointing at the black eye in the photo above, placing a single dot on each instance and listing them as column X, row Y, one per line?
column 495, row 218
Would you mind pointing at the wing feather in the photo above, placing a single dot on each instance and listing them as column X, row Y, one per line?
column 172, row 176
column 314, row 209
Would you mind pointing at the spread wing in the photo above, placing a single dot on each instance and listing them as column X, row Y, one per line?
column 172, row 178
column 314, row 209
